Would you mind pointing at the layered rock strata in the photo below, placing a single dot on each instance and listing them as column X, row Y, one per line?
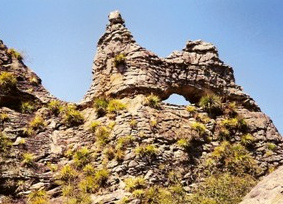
column 135, row 139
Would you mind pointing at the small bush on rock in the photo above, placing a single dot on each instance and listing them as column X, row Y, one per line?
column 115, row 106
column 55, row 107
column 152, row 101
column 72, row 117
column 5, row 142
column 28, row 159
column 222, row 188
column 119, row 59
column 7, row 82
column 135, row 183
column 27, row 107
column 211, row 103
column 82, row 157
column 100, row 105
column 37, row 123
column 15, row 54
column 38, row 197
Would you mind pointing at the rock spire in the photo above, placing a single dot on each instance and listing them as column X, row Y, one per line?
column 193, row 72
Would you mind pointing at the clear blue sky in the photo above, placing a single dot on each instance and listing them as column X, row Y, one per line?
column 58, row 38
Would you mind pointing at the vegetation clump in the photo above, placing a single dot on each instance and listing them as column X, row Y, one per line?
column 27, row 107
column 134, row 183
column 199, row 127
column 82, row 157
column 5, row 142
column 115, row 105
column 212, row 104
column 100, row 105
column 223, row 188
column 71, row 116
column 7, row 82
column 37, row 123
column 191, row 109
column 147, row 152
column 102, row 134
column 14, row 53
column 28, row 159
column 152, row 101
column 55, row 107
column 38, row 197
column 233, row 158
column 119, row 59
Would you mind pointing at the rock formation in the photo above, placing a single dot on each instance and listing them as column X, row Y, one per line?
column 121, row 144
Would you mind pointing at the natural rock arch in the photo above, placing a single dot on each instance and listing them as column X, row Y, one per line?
column 193, row 72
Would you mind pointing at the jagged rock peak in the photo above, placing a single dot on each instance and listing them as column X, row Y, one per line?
column 115, row 18
column 18, row 83
column 122, row 68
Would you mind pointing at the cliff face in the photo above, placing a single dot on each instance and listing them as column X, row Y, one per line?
column 121, row 144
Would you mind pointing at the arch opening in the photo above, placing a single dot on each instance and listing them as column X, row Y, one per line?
column 177, row 99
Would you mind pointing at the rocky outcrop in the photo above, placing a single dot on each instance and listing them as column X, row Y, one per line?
column 27, row 85
column 193, row 72
column 268, row 191
column 121, row 144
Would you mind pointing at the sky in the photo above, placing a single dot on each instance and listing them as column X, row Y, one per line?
column 58, row 39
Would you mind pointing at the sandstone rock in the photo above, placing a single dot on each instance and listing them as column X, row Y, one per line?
column 138, row 140
column 267, row 191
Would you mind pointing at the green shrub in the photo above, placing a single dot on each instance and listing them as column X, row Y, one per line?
column 230, row 109
column 100, row 105
column 152, row 101
column 134, row 183
column 28, row 159
column 72, row 117
column 230, row 123
column 115, row 106
column 27, row 107
column 122, row 142
column 234, row 158
column 153, row 123
column 184, row 143
column 82, row 157
column 68, row 174
column 247, row 139
column 5, row 142
column 55, row 107
column 271, row 146
column 199, row 127
column 7, row 82
column 133, row 123
column 38, row 197
column 89, row 170
column 223, row 134
column 235, row 124
column 94, row 125
column 101, row 176
column 222, row 188
column 102, row 134
column 91, row 183
column 211, row 103
column 191, row 109
column 4, row 117
column 146, row 150
column 15, row 54
column 119, row 59
column 37, row 123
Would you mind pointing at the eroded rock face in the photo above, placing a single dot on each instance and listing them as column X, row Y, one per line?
column 192, row 72
column 135, row 140
column 268, row 191
column 28, row 86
